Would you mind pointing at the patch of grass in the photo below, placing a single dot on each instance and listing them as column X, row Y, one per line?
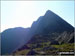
column 65, row 47
column 38, row 49
column 23, row 52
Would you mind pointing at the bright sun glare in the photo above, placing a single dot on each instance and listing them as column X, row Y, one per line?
column 23, row 13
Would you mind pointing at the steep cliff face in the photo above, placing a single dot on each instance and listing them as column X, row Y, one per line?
column 66, row 37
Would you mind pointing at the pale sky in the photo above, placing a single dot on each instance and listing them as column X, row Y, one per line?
column 23, row 13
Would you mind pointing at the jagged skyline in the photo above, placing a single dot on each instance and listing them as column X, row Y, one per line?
column 23, row 13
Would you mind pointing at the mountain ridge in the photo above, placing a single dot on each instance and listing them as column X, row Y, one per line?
column 50, row 23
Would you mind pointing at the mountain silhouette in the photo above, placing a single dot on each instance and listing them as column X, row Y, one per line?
column 50, row 26
column 12, row 39
column 50, row 22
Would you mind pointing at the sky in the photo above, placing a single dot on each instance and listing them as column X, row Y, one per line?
column 23, row 13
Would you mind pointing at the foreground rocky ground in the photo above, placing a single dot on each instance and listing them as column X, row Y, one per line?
column 44, row 49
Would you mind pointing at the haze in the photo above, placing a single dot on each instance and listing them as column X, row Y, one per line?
column 23, row 13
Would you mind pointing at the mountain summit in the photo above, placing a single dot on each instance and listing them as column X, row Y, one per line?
column 49, row 27
column 50, row 22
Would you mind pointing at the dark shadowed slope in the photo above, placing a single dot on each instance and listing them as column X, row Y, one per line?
column 50, row 24
column 12, row 39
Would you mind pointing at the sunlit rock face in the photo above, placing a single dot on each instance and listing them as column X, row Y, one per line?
column 50, row 27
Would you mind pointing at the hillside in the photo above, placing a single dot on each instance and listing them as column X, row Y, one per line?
column 46, row 33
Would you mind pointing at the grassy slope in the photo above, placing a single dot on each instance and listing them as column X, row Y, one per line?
column 63, row 47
